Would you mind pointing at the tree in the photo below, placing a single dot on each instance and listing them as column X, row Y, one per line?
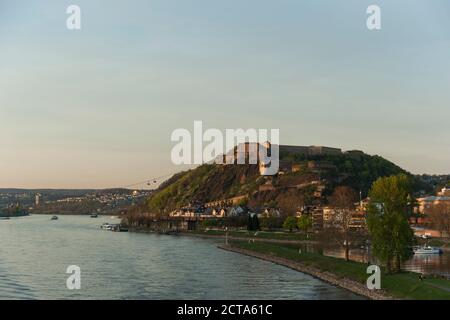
column 253, row 222
column 256, row 222
column 304, row 223
column 271, row 223
column 338, row 229
column 308, row 195
column 387, row 220
column 440, row 217
column 290, row 223
column 288, row 201
column 343, row 197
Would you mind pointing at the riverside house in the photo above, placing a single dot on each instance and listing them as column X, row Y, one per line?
column 427, row 204
column 209, row 212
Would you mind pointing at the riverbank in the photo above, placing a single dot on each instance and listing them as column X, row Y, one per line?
column 328, row 277
column 242, row 236
column 270, row 237
column 349, row 275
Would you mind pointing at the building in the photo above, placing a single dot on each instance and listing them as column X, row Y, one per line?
column 249, row 153
column 270, row 213
column 325, row 217
column 227, row 202
column 318, row 166
column 311, row 150
column 267, row 186
column 316, row 215
column 427, row 204
column 237, row 211
column 445, row 192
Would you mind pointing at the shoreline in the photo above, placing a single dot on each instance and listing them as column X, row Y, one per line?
column 219, row 236
column 344, row 283
column 255, row 239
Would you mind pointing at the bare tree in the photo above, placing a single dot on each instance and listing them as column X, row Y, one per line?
column 440, row 218
column 338, row 227
column 343, row 197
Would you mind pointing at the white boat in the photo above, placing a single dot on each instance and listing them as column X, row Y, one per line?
column 106, row 226
column 427, row 250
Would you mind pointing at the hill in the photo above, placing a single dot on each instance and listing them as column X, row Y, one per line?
column 303, row 179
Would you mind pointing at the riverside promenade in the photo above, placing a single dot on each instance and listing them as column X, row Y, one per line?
column 348, row 284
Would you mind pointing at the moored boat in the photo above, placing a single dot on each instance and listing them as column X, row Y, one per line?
column 119, row 228
column 114, row 227
column 54, row 218
column 427, row 250
column 106, row 226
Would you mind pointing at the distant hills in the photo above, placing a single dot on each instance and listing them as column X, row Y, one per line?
column 70, row 201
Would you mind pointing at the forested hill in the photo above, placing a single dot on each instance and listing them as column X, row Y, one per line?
column 211, row 182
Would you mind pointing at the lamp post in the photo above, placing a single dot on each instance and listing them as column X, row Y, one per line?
column 226, row 236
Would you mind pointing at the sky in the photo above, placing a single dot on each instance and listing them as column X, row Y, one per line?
column 95, row 108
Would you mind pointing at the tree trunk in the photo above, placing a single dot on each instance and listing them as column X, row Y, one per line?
column 388, row 265
column 346, row 252
column 398, row 265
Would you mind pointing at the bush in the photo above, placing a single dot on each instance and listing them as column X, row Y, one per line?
column 271, row 223
column 290, row 223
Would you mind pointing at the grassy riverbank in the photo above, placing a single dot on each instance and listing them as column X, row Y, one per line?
column 272, row 235
column 405, row 285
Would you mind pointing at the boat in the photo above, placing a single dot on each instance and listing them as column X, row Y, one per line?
column 54, row 218
column 114, row 227
column 106, row 226
column 94, row 215
column 118, row 228
column 427, row 250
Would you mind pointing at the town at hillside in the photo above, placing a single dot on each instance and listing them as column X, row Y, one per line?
column 307, row 184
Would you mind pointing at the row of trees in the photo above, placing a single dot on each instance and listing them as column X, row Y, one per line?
column 303, row 223
column 391, row 204
column 14, row 211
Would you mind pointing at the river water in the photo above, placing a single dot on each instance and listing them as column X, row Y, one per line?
column 427, row 264
column 35, row 253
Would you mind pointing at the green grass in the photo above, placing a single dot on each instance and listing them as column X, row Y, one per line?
column 405, row 285
column 259, row 235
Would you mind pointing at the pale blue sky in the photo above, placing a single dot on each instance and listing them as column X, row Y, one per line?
column 96, row 107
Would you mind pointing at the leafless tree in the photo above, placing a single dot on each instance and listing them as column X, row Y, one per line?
column 440, row 218
column 338, row 227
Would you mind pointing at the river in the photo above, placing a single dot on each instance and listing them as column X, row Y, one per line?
column 35, row 253
column 427, row 264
